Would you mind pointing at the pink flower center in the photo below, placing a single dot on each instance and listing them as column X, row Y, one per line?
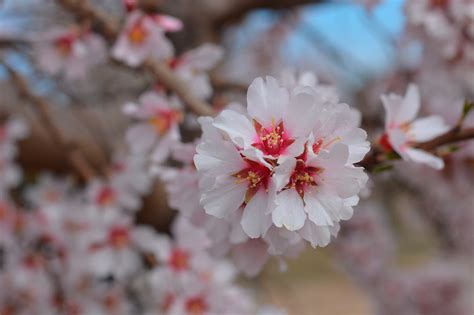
column 137, row 33
column 179, row 259
column 165, row 119
column 173, row 63
column 272, row 141
column 302, row 177
column 256, row 175
column 111, row 302
column 105, row 197
column 119, row 237
column 196, row 306
column 33, row 261
column 130, row 4
column 64, row 44
column 384, row 142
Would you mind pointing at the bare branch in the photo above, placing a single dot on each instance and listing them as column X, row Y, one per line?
column 103, row 24
column 74, row 154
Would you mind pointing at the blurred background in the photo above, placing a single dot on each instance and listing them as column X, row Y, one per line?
column 410, row 246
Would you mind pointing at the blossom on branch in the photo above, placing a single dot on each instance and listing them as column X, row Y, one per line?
column 403, row 131
column 144, row 37
column 287, row 162
column 157, row 129
column 192, row 68
column 72, row 53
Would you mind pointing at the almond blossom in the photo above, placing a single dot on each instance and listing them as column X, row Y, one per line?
column 226, row 235
column 157, row 129
column 144, row 37
column 11, row 131
column 287, row 163
column 403, row 131
column 110, row 197
column 70, row 52
column 192, row 68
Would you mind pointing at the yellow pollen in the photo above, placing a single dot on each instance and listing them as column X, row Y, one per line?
column 405, row 127
column 137, row 34
column 304, row 178
column 253, row 179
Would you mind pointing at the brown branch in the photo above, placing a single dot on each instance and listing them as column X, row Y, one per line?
column 166, row 77
column 242, row 7
column 104, row 25
column 453, row 136
column 376, row 156
column 74, row 155
column 83, row 12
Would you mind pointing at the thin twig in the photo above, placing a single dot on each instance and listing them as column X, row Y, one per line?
column 74, row 154
column 376, row 156
column 106, row 26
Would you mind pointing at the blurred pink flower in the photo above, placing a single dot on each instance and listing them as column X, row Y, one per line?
column 144, row 37
column 402, row 130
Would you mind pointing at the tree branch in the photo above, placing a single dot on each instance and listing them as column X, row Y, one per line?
column 74, row 154
column 376, row 156
column 104, row 25
column 242, row 7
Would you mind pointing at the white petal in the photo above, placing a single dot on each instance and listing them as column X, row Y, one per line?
column 316, row 235
column 225, row 197
column 410, row 105
column 336, row 157
column 203, row 58
column 424, row 157
column 267, row 101
column 300, row 118
column 315, row 210
column 141, row 137
column 425, row 129
column 250, row 256
column 255, row 219
column 283, row 173
column 237, row 127
column 346, row 181
column 331, row 202
column 289, row 210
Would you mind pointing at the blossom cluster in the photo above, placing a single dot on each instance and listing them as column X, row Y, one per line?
column 77, row 250
column 445, row 30
column 403, row 131
column 448, row 24
column 283, row 168
column 11, row 131
column 263, row 181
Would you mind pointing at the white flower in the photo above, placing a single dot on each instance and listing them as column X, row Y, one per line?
column 71, row 53
column 110, row 250
column 13, row 130
column 192, row 67
column 402, row 131
column 234, row 178
column 182, row 183
column 158, row 127
column 110, row 198
column 143, row 37
column 289, row 163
